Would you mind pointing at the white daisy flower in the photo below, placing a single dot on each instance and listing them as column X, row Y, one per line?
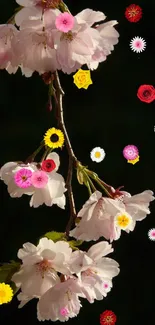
column 151, row 234
column 97, row 154
column 137, row 44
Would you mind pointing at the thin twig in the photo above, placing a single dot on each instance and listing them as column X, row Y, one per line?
column 72, row 157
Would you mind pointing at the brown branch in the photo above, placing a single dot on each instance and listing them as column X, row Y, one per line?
column 72, row 157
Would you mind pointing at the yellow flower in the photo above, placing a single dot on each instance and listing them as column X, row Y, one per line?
column 6, row 293
column 82, row 78
column 54, row 138
column 123, row 220
column 133, row 162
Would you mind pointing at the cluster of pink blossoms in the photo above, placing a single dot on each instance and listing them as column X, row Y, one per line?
column 40, row 181
column 107, row 217
column 58, row 277
column 49, row 40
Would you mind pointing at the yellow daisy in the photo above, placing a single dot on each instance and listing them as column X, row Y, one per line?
column 123, row 220
column 6, row 293
column 54, row 138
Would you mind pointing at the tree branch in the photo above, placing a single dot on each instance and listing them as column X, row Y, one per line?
column 72, row 157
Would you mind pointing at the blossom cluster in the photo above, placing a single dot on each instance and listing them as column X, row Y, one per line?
column 38, row 180
column 49, row 38
column 45, row 37
column 58, row 277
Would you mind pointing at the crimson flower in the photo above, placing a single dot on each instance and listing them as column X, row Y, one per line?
column 108, row 318
column 146, row 93
column 133, row 13
column 48, row 165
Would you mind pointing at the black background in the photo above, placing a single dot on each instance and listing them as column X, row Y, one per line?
column 108, row 115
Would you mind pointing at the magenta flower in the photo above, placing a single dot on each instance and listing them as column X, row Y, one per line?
column 63, row 311
column 39, row 179
column 130, row 152
column 22, row 178
column 64, row 22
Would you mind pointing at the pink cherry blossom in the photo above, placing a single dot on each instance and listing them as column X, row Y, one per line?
column 23, row 178
column 7, row 32
column 98, row 215
column 39, row 179
column 83, row 44
column 52, row 303
column 34, row 48
column 64, row 22
column 94, row 270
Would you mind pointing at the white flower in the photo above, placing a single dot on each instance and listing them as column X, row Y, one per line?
column 60, row 302
column 40, row 265
column 97, row 154
column 151, row 234
column 138, row 205
column 106, row 217
column 51, row 193
column 137, row 44
column 95, row 270
column 95, row 220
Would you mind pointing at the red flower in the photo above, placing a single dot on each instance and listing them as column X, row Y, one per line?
column 48, row 165
column 146, row 93
column 133, row 13
column 108, row 318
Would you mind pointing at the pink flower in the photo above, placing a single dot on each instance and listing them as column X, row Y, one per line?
column 39, row 179
column 101, row 216
column 64, row 312
column 7, row 32
column 52, row 303
column 83, row 44
column 34, row 47
column 93, row 268
column 64, row 22
column 130, row 152
column 23, row 178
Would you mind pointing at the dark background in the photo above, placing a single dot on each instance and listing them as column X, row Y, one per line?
column 108, row 115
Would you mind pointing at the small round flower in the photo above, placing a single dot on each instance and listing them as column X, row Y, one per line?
column 151, row 234
column 133, row 13
column 22, row 178
column 82, row 79
column 39, row 179
column 6, row 293
column 48, row 165
column 138, row 44
column 54, row 138
column 106, row 286
column 64, row 311
column 108, row 318
column 97, row 154
column 64, row 22
column 130, row 152
column 146, row 93
column 123, row 220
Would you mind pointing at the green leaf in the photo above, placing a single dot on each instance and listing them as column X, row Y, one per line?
column 14, row 288
column 74, row 243
column 7, row 270
column 55, row 236
column 80, row 176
